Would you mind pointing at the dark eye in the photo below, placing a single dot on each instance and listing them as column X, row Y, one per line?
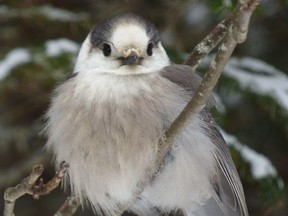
column 149, row 49
column 106, row 49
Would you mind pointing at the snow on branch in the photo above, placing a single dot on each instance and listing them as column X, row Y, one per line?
column 60, row 14
column 208, row 44
column 47, row 11
column 260, row 78
column 261, row 166
column 13, row 59
column 59, row 46
column 19, row 56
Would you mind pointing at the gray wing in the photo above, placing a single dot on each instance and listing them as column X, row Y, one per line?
column 228, row 192
column 227, row 183
column 185, row 77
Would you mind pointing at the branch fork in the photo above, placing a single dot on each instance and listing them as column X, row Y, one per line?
column 29, row 186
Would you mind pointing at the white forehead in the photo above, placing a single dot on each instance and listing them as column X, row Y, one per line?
column 129, row 34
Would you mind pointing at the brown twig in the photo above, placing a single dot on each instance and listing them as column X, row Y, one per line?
column 29, row 186
column 203, row 48
column 13, row 193
column 14, row 173
column 241, row 21
column 44, row 189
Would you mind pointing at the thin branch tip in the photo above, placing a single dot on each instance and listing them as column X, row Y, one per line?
column 29, row 186
column 249, row 4
column 62, row 169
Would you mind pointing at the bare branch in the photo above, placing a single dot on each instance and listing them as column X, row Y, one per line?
column 13, row 174
column 13, row 193
column 29, row 186
column 202, row 49
column 216, row 35
column 241, row 22
column 44, row 189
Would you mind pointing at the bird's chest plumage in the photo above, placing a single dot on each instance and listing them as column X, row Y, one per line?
column 107, row 128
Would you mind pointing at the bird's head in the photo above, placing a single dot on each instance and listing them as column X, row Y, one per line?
column 124, row 44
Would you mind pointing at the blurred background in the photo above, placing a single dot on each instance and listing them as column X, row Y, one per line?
column 40, row 39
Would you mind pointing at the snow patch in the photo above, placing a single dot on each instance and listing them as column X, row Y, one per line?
column 47, row 11
column 59, row 46
column 14, row 58
column 261, row 166
column 59, row 14
column 260, row 78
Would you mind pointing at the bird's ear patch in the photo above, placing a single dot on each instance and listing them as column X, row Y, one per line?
column 102, row 32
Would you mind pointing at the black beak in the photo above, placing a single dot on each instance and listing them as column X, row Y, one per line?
column 131, row 59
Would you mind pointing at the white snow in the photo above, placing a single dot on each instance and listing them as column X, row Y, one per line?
column 59, row 14
column 261, row 166
column 20, row 56
column 260, row 78
column 14, row 58
column 59, row 46
column 48, row 11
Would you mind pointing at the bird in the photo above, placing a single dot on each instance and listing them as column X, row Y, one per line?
column 107, row 118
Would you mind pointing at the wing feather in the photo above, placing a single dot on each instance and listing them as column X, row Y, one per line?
column 227, row 181
column 185, row 77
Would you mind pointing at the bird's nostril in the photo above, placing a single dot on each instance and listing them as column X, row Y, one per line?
column 131, row 59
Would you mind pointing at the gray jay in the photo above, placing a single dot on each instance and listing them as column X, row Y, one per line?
column 106, row 119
